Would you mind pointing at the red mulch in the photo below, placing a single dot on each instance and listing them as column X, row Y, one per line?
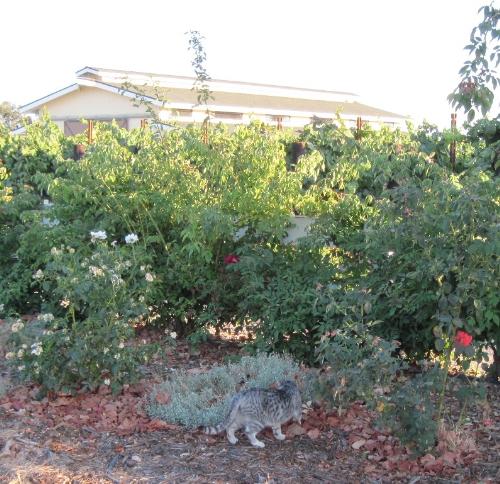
column 332, row 447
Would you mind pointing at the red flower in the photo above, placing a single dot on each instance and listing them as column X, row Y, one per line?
column 462, row 338
column 231, row 259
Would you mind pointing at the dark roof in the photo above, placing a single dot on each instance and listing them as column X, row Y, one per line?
column 263, row 102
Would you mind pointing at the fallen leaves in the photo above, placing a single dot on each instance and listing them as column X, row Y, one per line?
column 313, row 434
column 157, row 424
column 101, row 411
column 383, row 451
column 358, row 444
column 294, row 430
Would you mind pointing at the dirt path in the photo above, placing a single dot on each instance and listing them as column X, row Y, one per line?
column 68, row 455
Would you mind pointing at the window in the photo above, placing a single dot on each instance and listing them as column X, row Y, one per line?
column 182, row 113
column 227, row 115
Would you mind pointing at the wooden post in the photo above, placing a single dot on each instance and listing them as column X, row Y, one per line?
column 144, row 123
column 90, row 131
column 279, row 122
column 205, row 127
column 359, row 125
column 453, row 144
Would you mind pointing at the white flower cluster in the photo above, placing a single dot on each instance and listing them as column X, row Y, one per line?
column 96, row 271
column 56, row 251
column 131, row 238
column 50, row 222
column 107, row 381
column 38, row 275
column 172, row 334
column 2, row 307
column 65, row 303
column 17, row 326
column 116, row 280
column 10, row 356
column 149, row 277
column 97, row 235
column 36, row 349
column 46, row 318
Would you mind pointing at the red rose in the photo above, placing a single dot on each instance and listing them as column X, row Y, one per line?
column 231, row 259
column 462, row 338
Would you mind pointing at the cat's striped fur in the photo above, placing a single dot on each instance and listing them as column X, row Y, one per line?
column 257, row 408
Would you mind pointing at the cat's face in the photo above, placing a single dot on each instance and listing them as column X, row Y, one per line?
column 297, row 408
column 294, row 393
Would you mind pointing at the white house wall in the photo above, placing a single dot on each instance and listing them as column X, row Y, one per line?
column 93, row 103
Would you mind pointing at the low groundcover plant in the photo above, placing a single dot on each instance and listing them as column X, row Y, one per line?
column 202, row 398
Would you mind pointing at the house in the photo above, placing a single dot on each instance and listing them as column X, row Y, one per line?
column 106, row 94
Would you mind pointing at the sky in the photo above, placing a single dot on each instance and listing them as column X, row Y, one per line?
column 398, row 55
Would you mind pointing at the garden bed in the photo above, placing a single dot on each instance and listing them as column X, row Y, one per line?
column 101, row 438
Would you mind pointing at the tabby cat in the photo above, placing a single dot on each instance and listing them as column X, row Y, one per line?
column 257, row 408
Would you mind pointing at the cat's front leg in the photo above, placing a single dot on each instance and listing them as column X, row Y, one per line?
column 255, row 441
column 230, row 435
column 277, row 433
column 251, row 431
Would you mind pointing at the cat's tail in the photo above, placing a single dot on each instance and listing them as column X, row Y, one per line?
column 219, row 428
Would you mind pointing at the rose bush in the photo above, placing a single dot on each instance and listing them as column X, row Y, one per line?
column 203, row 224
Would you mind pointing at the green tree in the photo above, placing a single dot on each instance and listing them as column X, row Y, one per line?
column 479, row 79
column 9, row 115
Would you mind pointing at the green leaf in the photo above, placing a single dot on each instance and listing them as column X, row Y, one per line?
column 439, row 344
column 469, row 351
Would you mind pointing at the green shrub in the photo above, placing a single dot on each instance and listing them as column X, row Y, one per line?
column 66, row 356
column 397, row 225
column 433, row 261
column 202, row 398
column 361, row 366
column 289, row 294
column 409, row 410
column 27, row 164
column 96, row 301
column 358, row 366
